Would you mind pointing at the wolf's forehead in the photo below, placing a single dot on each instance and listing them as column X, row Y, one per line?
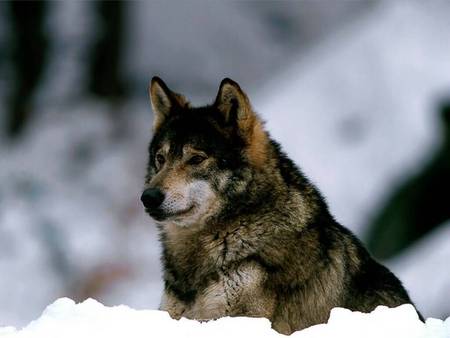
column 198, row 133
column 173, row 148
column 180, row 143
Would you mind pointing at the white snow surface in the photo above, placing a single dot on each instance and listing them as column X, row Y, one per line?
column 65, row 318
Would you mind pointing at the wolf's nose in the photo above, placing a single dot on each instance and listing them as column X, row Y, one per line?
column 152, row 198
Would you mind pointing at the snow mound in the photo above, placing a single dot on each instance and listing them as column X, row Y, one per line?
column 64, row 318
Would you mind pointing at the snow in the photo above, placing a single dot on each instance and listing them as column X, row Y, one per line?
column 64, row 318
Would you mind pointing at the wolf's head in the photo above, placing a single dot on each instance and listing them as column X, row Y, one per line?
column 201, row 159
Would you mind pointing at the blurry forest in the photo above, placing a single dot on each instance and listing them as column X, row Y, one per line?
column 357, row 92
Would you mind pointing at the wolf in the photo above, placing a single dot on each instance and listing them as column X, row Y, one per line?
column 243, row 231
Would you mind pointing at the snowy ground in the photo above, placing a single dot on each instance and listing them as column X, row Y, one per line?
column 65, row 319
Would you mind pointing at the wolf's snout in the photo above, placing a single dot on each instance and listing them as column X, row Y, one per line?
column 152, row 198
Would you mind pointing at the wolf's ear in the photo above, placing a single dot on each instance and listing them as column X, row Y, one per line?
column 236, row 109
column 234, row 105
column 164, row 101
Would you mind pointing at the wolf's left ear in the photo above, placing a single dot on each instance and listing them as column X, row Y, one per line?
column 236, row 109
column 234, row 105
column 164, row 101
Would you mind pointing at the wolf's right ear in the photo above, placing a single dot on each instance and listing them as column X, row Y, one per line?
column 234, row 105
column 164, row 101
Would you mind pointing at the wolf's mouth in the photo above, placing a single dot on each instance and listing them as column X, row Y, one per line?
column 181, row 212
column 160, row 215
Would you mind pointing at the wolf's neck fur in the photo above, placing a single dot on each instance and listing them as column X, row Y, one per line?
column 276, row 196
column 276, row 186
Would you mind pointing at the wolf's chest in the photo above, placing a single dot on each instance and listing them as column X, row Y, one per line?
column 237, row 291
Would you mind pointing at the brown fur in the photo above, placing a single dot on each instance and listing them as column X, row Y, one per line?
column 265, row 244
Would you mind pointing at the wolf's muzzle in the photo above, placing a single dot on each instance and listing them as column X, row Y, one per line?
column 152, row 198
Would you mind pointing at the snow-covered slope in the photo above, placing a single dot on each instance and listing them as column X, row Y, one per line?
column 358, row 113
column 64, row 319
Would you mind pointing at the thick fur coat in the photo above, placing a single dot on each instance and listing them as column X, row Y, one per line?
column 244, row 233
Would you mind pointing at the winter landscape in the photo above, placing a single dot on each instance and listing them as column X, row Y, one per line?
column 356, row 106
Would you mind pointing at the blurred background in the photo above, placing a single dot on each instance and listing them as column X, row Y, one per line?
column 357, row 92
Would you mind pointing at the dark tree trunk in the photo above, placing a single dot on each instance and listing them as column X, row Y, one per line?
column 105, row 79
column 28, row 54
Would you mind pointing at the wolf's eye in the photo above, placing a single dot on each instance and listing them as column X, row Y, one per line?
column 196, row 159
column 160, row 160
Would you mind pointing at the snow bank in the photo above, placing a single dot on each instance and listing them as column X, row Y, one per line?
column 65, row 318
